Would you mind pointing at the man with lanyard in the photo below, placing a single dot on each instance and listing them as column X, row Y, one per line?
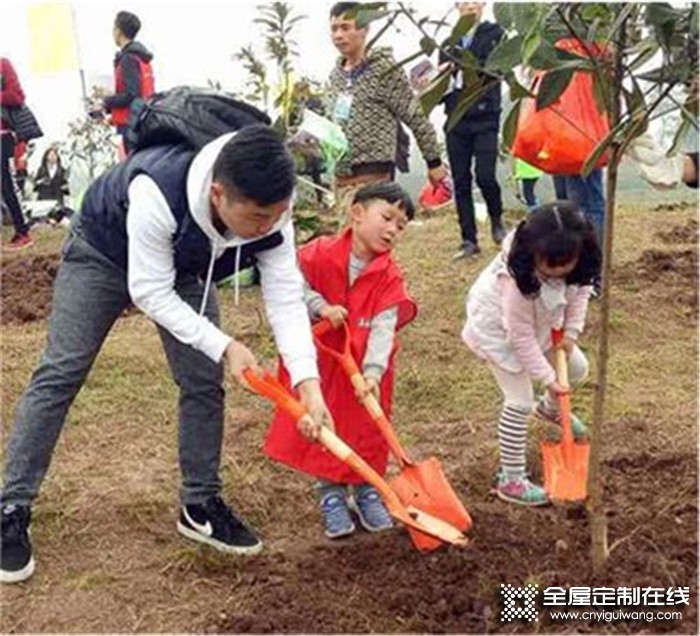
column 368, row 96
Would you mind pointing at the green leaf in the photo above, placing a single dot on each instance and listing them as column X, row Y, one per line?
column 510, row 125
column 463, row 26
column 526, row 15
column 646, row 49
column 469, row 96
column 517, row 90
column 597, row 153
column 530, row 45
column 401, row 63
column 635, row 98
column 504, row 14
column 660, row 13
column 428, row 45
column 506, row 56
column 553, row 84
column 599, row 94
column 432, row 96
column 679, row 137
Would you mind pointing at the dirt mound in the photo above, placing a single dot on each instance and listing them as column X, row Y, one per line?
column 687, row 233
column 27, row 286
column 677, row 271
column 381, row 584
column 674, row 207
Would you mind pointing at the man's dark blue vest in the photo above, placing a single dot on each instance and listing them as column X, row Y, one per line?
column 106, row 203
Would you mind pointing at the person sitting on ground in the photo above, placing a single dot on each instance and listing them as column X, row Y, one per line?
column 51, row 184
column 352, row 277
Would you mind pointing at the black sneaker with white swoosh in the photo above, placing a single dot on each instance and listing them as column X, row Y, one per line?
column 215, row 524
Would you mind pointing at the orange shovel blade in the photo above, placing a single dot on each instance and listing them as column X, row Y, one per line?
column 565, row 470
column 425, row 486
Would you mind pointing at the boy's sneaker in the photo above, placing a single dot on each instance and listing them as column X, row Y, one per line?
column 520, row 490
column 20, row 241
column 577, row 426
column 337, row 521
column 214, row 523
column 370, row 509
column 16, row 560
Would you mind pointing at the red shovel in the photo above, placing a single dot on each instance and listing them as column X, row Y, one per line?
column 419, row 522
column 420, row 484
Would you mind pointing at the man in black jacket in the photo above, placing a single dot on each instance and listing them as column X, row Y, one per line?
column 475, row 136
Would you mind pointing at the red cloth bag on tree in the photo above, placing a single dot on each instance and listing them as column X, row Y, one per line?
column 559, row 138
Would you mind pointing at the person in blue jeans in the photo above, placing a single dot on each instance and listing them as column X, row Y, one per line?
column 588, row 195
column 159, row 229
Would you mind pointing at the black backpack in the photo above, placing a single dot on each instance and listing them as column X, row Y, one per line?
column 192, row 116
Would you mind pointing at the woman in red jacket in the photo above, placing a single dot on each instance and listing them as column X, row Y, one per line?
column 12, row 96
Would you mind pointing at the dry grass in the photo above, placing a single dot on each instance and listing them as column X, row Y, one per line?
column 108, row 556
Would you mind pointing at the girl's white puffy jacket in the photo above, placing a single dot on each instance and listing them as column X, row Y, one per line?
column 513, row 331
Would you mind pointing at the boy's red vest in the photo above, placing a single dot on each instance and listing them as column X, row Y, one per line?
column 380, row 286
column 120, row 116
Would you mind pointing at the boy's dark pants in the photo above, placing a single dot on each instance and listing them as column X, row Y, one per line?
column 90, row 293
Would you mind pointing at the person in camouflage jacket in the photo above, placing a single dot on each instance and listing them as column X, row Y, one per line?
column 368, row 96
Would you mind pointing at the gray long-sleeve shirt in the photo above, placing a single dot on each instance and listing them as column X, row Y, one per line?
column 382, row 327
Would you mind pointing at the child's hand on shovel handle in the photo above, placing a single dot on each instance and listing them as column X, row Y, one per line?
column 335, row 314
column 568, row 345
column 318, row 414
column 371, row 387
column 558, row 389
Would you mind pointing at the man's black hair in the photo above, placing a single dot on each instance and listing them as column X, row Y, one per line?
column 339, row 9
column 390, row 192
column 128, row 24
column 256, row 164
column 352, row 11
column 557, row 233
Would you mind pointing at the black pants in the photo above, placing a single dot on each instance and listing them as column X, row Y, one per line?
column 528, row 186
column 465, row 144
column 9, row 195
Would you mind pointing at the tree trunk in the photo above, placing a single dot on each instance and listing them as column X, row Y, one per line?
column 596, row 509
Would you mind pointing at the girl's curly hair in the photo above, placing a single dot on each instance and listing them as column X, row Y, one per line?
column 557, row 233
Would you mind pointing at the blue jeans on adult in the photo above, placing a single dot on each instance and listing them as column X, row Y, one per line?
column 587, row 193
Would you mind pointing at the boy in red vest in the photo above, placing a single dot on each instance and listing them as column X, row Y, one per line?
column 352, row 277
column 133, row 75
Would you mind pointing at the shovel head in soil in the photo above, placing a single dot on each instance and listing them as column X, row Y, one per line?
column 420, row 484
column 422, row 525
column 565, row 463
column 425, row 486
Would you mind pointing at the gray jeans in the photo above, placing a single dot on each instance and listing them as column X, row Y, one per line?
column 90, row 293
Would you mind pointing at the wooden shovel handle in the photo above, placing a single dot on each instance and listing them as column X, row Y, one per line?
column 561, row 365
column 270, row 387
column 371, row 404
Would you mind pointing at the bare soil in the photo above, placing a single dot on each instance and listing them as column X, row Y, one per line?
column 108, row 559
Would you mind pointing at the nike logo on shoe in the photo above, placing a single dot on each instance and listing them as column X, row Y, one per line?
column 204, row 529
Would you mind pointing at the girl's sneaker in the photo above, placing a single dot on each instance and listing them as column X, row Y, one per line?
column 520, row 490
column 336, row 516
column 577, row 426
column 370, row 509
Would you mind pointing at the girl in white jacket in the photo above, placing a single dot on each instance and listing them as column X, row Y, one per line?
column 541, row 280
